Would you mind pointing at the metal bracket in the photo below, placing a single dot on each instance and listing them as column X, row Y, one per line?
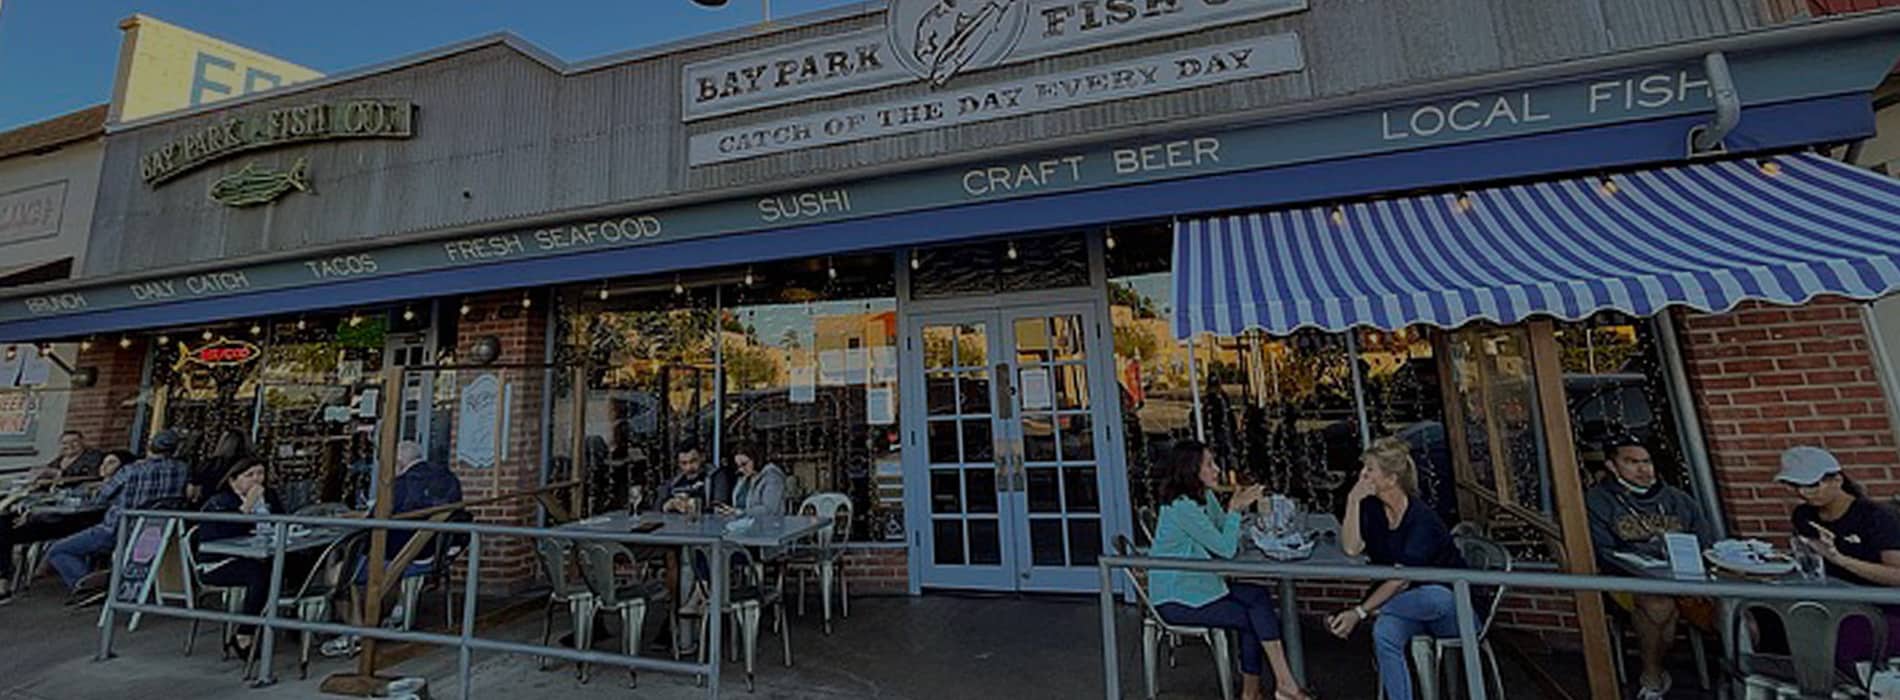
column 1706, row 140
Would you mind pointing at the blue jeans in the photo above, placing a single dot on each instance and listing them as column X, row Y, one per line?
column 72, row 557
column 1246, row 607
column 1420, row 610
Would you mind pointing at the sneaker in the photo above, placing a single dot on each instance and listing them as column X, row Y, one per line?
column 1656, row 692
column 340, row 647
column 86, row 599
column 6, row 597
column 394, row 621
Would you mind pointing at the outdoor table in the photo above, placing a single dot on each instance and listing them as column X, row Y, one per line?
column 766, row 531
column 1326, row 552
column 258, row 545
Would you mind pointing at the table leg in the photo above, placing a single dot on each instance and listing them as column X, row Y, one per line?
column 1290, row 632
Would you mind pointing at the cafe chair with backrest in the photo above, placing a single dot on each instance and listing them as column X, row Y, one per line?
column 1808, row 671
column 564, row 589
column 823, row 558
column 313, row 600
column 1432, row 657
column 435, row 571
column 629, row 599
column 194, row 589
column 745, row 606
column 1153, row 628
column 1620, row 626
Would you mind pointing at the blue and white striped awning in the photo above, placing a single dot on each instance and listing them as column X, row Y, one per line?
column 1704, row 236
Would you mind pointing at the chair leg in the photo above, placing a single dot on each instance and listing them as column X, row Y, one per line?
column 785, row 633
column 844, row 594
column 411, row 594
column 801, row 592
column 749, row 634
column 1497, row 674
column 547, row 631
column 1223, row 662
column 1425, row 670
column 633, row 620
column 1150, row 641
column 1699, row 648
column 825, row 576
column 191, row 637
column 583, row 636
column 1617, row 658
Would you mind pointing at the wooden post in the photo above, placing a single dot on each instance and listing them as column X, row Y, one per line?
column 1579, row 557
column 365, row 682
column 577, row 392
column 1455, row 438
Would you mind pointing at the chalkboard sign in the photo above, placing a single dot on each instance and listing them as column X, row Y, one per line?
column 139, row 568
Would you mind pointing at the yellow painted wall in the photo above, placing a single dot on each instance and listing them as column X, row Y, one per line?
column 164, row 67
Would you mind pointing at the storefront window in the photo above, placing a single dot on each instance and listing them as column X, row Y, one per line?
column 994, row 267
column 1497, row 392
column 1614, row 385
column 1155, row 386
column 1405, row 399
column 322, row 377
column 206, row 390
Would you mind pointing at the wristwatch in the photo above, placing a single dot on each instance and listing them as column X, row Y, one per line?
column 1361, row 610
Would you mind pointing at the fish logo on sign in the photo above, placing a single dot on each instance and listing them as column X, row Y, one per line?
column 252, row 185
column 938, row 39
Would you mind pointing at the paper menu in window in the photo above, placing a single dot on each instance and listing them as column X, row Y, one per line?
column 1685, row 555
column 10, row 363
column 884, row 364
column 804, row 385
column 831, row 368
column 880, row 406
column 35, row 368
column 1035, row 390
column 857, row 365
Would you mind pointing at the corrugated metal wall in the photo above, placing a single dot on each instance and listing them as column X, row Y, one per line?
column 500, row 135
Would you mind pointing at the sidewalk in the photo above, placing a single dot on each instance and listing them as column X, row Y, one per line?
column 938, row 646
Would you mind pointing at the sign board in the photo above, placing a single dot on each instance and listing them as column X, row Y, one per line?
column 936, row 41
column 165, row 68
column 227, row 136
column 223, row 352
column 32, row 213
column 1674, row 90
column 139, row 570
column 17, row 412
column 476, row 422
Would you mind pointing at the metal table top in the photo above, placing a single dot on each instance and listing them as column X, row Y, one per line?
column 764, row 531
column 258, row 546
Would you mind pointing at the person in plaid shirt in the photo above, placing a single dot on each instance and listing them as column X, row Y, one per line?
column 143, row 483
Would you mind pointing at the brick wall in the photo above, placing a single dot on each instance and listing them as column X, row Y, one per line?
column 1767, row 378
column 878, row 570
column 106, row 411
column 507, row 563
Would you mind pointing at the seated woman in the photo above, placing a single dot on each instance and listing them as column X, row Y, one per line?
column 760, row 490
column 1858, row 537
column 1382, row 523
column 241, row 491
column 1192, row 525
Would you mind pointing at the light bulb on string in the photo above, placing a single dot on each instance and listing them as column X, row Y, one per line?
column 1464, row 201
column 125, row 342
column 603, row 291
column 12, row 352
column 85, row 345
column 1012, row 250
column 356, row 319
column 1607, row 186
column 831, row 271
column 1769, row 167
column 915, row 262
column 465, row 308
column 206, row 335
column 257, row 329
column 748, row 277
column 302, row 324
column 527, row 300
column 1339, row 216
column 678, row 287
column 164, row 339
column 408, row 314
column 1109, row 241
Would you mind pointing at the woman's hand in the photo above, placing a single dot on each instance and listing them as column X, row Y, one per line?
column 1245, row 497
column 1823, row 542
column 1342, row 623
column 724, row 509
column 1362, row 488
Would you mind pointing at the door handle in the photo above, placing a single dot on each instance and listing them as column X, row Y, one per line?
column 1005, row 392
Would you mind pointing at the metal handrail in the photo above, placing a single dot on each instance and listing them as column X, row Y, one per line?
column 1461, row 581
column 465, row 642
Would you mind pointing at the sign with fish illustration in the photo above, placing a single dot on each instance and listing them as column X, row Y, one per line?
column 220, row 137
column 255, row 185
column 938, row 40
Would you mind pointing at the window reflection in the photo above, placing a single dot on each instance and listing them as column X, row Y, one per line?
column 1614, row 385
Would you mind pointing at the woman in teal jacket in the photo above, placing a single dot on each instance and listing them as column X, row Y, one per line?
column 1193, row 525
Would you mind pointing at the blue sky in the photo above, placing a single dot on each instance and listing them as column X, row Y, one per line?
column 59, row 55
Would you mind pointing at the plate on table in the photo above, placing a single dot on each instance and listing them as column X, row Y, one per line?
column 1749, row 558
column 1290, row 547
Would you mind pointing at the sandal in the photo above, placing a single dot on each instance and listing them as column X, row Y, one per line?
column 1294, row 694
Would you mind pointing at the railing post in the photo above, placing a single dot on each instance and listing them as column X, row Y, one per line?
column 279, row 532
column 464, row 655
column 112, row 592
column 1111, row 668
column 715, row 617
column 1468, row 639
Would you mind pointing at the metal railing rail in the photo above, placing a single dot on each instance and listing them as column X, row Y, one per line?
column 1461, row 581
column 465, row 642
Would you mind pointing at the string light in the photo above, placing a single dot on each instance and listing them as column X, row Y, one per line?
column 1339, row 216
column 408, row 314
column 748, row 277
column 356, row 319
column 831, row 272
column 527, row 300
column 1012, row 250
column 12, row 352
column 465, row 308
column 1607, row 186
column 678, row 288
column 1769, row 167
column 915, row 262
column 257, row 329
column 603, row 291
column 125, row 342
column 1109, row 241
column 302, row 324
column 164, row 339
column 85, row 345
column 1464, row 202
column 206, row 335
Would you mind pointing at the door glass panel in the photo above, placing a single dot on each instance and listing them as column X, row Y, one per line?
column 1078, row 438
column 1070, row 384
column 986, row 542
column 1032, row 340
column 1078, row 484
column 947, row 534
column 940, row 393
column 1045, row 542
column 1065, row 337
column 975, row 392
column 973, row 346
column 981, row 485
column 1085, row 541
column 1039, row 438
column 943, row 442
column 978, row 447
column 943, row 492
column 1045, row 495
column 939, row 347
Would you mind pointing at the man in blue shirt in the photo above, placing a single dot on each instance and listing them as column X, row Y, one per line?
column 144, row 483
column 419, row 485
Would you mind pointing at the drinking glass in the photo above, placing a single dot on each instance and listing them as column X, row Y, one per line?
column 1808, row 561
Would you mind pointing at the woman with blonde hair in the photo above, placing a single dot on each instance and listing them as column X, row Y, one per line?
column 1384, row 522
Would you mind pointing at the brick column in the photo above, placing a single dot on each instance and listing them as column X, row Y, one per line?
column 507, row 563
column 1766, row 378
column 105, row 411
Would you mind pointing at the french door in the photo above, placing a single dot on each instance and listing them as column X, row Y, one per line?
column 1007, row 445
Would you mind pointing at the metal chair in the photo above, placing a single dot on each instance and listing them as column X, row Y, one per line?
column 434, row 571
column 1809, row 670
column 610, row 595
column 823, row 558
column 1153, row 627
column 195, row 589
column 563, row 590
column 1429, row 653
column 1698, row 647
column 312, row 599
column 746, row 604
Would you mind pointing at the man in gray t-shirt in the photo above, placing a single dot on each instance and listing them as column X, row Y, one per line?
column 1630, row 511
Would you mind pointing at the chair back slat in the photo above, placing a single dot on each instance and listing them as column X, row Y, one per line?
column 1124, row 548
column 1813, row 633
column 597, row 570
column 552, row 553
column 1484, row 554
column 832, row 506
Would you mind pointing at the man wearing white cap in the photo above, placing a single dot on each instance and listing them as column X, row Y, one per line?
column 1859, row 538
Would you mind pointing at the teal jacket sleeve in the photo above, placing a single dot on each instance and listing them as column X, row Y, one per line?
column 1219, row 536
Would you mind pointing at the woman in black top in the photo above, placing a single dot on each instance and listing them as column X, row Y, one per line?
column 1384, row 522
column 1858, row 537
column 242, row 491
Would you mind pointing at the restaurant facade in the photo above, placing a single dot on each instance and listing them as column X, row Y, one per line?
column 977, row 268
